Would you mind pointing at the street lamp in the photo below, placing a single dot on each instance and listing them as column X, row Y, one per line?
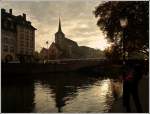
column 47, row 44
column 47, row 49
column 123, row 24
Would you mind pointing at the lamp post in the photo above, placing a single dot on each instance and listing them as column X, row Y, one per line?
column 123, row 24
column 47, row 49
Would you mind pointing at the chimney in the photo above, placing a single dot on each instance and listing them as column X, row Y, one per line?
column 24, row 16
column 3, row 10
column 10, row 11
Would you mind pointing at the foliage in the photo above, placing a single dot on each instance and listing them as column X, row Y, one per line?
column 137, row 30
column 36, row 56
column 113, row 53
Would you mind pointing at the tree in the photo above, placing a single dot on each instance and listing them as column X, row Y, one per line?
column 113, row 53
column 137, row 31
column 36, row 56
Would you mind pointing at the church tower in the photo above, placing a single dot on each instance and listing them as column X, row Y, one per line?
column 59, row 36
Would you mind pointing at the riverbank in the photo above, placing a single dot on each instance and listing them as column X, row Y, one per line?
column 143, row 96
column 46, row 68
column 96, row 66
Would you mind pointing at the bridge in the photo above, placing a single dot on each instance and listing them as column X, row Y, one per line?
column 59, row 65
column 63, row 61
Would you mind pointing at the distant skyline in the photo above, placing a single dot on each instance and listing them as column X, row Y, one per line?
column 77, row 19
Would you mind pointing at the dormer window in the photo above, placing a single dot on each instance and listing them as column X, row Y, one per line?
column 9, row 19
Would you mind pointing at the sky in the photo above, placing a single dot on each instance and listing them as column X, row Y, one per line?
column 77, row 19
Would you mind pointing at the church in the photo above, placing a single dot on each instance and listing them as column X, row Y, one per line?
column 64, row 48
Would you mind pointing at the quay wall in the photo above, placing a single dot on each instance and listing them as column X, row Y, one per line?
column 45, row 68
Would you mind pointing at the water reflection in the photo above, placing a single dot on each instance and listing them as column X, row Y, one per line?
column 17, row 95
column 65, row 92
column 117, row 88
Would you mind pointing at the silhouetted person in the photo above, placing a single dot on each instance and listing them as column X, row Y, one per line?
column 132, row 75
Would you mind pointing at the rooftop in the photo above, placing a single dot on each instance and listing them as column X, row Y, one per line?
column 17, row 20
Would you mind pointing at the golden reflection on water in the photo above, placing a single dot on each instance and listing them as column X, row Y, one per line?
column 96, row 97
column 117, row 88
column 43, row 100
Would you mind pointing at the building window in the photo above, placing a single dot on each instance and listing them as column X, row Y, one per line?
column 6, row 40
column 26, row 52
column 27, row 44
column 5, row 48
column 21, row 51
column 5, row 24
column 21, row 43
column 12, row 26
column 32, row 38
column 21, row 34
column 27, row 38
column 11, row 41
column 10, row 19
column 11, row 49
column 30, row 51
column 31, row 43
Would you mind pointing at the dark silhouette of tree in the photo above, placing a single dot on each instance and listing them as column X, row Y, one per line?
column 137, row 31
column 113, row 53
column 36, row 56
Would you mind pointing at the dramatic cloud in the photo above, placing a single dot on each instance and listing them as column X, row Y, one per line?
column 78, row 21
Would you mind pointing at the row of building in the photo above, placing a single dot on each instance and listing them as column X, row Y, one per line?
column 18, row 42
column 64, row 48
column 17, row 37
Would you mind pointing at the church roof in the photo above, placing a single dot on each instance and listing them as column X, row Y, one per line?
column 59, row 28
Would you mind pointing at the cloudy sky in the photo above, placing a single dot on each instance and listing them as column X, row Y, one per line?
column 77, row 18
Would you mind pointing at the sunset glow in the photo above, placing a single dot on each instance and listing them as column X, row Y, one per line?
column 78, row 21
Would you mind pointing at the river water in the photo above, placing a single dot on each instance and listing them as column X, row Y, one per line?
column 61, row 92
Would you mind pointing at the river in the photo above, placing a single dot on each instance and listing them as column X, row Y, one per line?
column 59, row 92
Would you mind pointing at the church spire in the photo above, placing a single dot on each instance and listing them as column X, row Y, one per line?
column 59, row 29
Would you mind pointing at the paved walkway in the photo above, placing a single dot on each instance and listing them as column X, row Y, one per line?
column 143, row 96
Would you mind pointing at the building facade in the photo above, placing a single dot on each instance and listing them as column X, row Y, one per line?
column 67, row 46
column 17, row 37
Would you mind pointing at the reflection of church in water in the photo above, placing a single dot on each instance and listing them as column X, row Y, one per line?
column 66, row 48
